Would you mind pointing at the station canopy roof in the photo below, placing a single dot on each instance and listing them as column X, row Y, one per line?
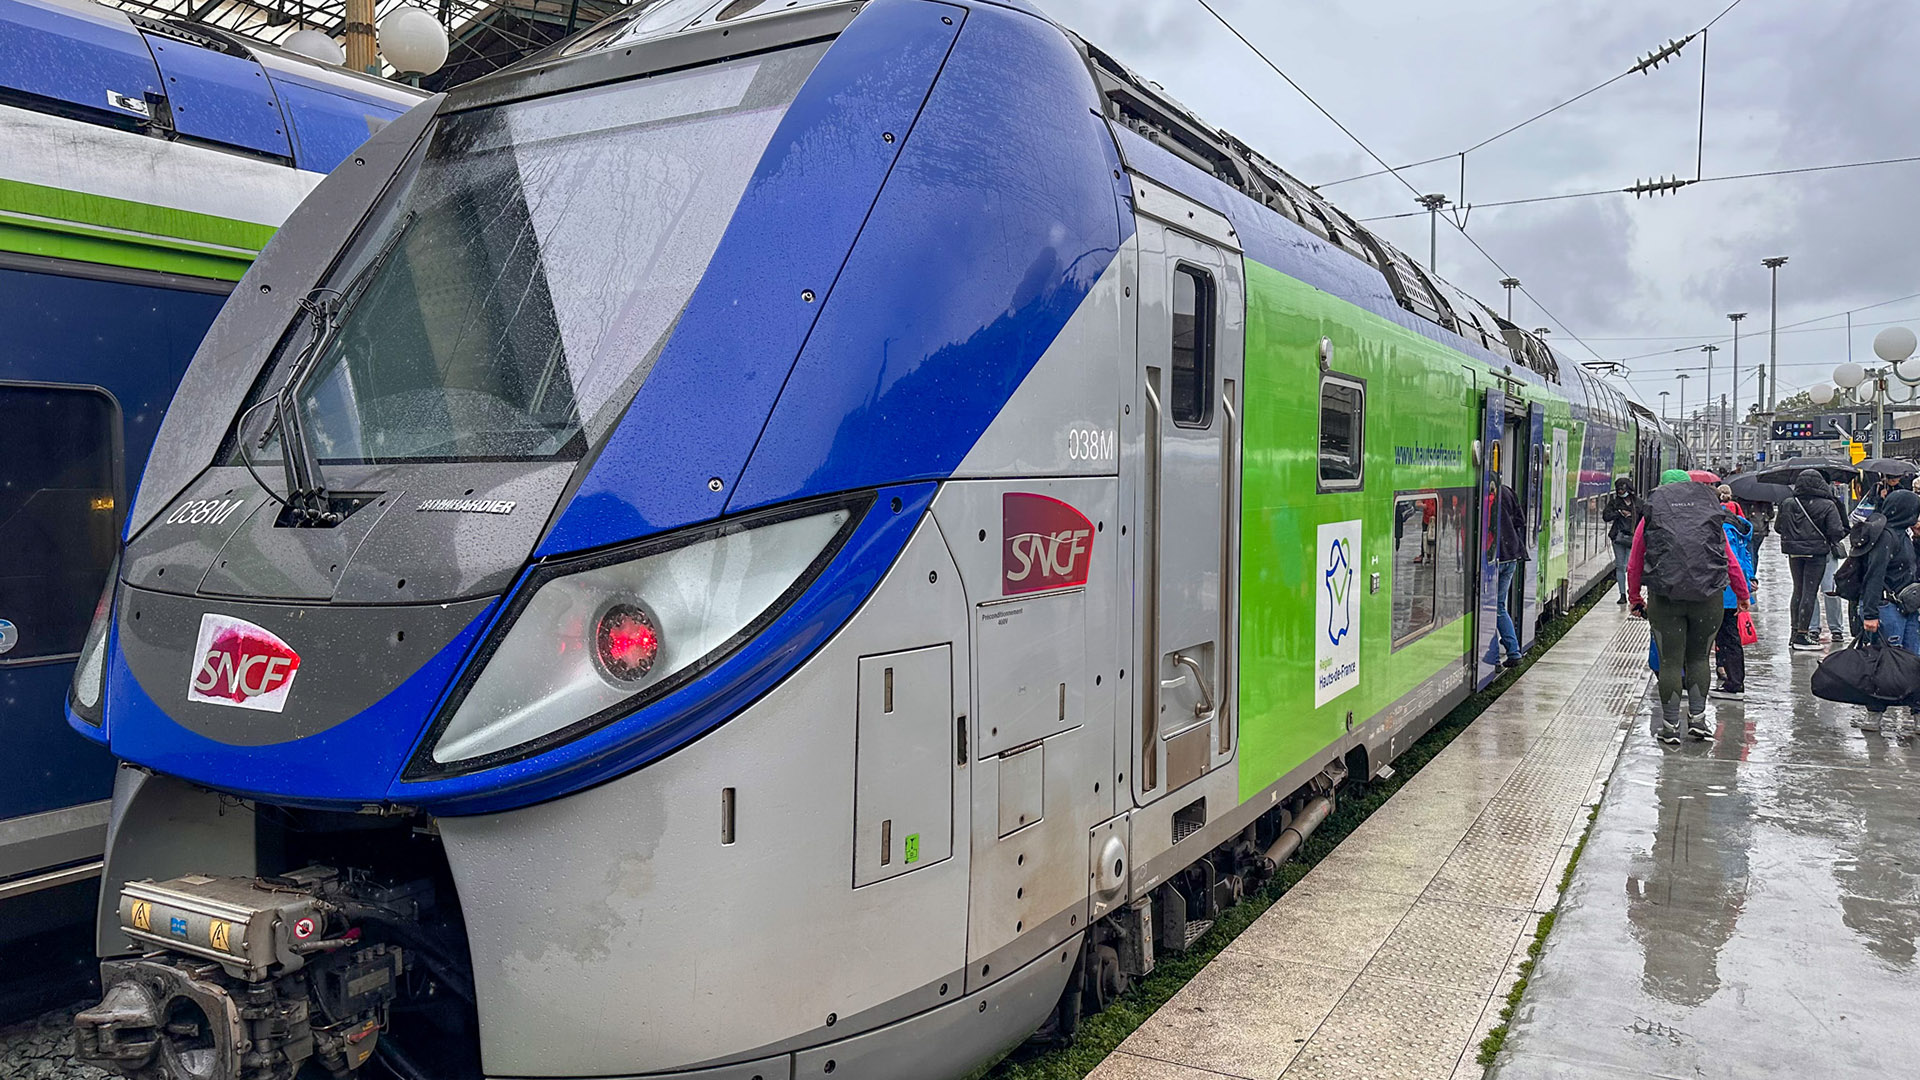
column 483, row 35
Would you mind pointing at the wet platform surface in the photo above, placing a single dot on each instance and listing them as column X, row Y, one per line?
column 1393, row 957
column 1745, row 907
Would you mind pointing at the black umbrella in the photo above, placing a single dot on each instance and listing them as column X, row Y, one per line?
column 1889, row 466
column 1748, row 487
column 1831, row 468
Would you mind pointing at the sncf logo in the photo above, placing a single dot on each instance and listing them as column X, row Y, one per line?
column 1048, row 545
column 241, row 665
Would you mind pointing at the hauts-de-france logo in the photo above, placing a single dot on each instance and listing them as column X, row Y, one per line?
column 1337, row 578
column 240, row 665
column 1047, row 544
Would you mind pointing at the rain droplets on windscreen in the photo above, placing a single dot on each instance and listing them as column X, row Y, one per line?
column 541, row 252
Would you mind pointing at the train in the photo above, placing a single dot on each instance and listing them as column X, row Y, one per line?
column 787, row 540
column 145, row 163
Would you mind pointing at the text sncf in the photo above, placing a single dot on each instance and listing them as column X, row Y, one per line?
column 1048, row 544
column 237, row 663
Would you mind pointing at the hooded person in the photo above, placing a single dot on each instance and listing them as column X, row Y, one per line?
column 1810, row 525
column 1889, row 568
column 1682, row 557
column 1729, row 651
column 1622, row 515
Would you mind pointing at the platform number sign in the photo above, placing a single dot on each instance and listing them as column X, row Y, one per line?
column 1336, row 622
column 913, row 849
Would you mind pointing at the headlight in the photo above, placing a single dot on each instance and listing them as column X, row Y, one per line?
column 90, row 671
column 590, row 640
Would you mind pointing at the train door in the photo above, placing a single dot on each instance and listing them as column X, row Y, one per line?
column 1493, row 462
column 1191, row 332
column 1526, row 612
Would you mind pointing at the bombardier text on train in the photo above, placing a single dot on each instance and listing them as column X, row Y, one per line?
column 810, row 647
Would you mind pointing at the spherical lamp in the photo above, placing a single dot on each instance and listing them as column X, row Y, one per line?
column 1893, row 344
column 1849, row 375
column 413, row 41
column 1821, row 394
column 315, row 45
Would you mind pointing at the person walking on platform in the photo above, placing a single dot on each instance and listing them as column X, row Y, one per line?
column 1810, row 525
column 1729, row 652
column 1682, row 555
column 1889, row 569
column 1509, row 548
column 1622, row 515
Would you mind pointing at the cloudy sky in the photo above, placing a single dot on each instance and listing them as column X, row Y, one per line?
column 1791, row 84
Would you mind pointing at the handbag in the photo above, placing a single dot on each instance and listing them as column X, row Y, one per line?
column 1749, row 634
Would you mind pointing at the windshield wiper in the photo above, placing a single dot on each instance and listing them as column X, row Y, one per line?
column 308, row 502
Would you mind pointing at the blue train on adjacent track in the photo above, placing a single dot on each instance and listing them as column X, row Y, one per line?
column 143, row 165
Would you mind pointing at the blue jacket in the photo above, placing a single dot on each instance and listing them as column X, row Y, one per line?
column 1740, row 539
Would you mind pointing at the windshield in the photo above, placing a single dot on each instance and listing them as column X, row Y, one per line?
column 512, row 294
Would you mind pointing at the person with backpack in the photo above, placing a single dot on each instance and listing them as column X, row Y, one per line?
column 1729, row 651
column 1508, row 545
column 1810, row 525
column 1886, row 568
column 1622, row 515
column 1682, row 556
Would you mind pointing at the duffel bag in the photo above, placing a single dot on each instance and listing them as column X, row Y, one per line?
column 1871, row 675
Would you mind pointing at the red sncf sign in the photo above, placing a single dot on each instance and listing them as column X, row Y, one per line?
column 1047, row 544
column 240, row 664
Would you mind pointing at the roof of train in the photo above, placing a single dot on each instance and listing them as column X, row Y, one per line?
column 1142, row 107
column 101, row 65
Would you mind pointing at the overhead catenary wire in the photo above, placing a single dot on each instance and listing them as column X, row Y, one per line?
column 1763, row 174
column 1637, row 68
column 1458, row 224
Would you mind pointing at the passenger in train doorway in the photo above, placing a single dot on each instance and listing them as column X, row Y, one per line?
column 1509, row 549
column 1622, row 514
column 1811, row 528
column 1888, row 611
column 1730, row 652
column 1682, row 555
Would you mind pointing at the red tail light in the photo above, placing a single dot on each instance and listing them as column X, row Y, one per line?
column 626, row 642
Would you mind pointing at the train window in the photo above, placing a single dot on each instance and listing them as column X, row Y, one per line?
column 1342, row 433
column 59, row 515
column 1416, row 578
column 1192, row 379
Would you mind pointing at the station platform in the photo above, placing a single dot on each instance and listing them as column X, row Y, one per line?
column 1745, row 906
column 1393, row 957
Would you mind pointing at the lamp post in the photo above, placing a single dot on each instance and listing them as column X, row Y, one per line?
column 1685, row 440
column 1894, row 345
column 1709, row 350
column 1509, row 284
column 1735, row 317
column 1663, row 403
column 1433, row 203
column 1773, row 266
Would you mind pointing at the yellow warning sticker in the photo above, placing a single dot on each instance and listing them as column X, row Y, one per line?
column 218, row 934
column 142, row 915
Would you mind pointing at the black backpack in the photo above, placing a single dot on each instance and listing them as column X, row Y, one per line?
column 1686, row 547
column 1851, row 576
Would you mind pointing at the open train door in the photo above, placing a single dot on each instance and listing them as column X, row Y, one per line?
column 1526, row 614
column 1493, row 433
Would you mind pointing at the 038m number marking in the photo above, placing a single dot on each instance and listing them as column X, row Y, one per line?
column 1089, row 444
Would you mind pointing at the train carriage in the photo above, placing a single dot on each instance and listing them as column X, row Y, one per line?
column 784, row 540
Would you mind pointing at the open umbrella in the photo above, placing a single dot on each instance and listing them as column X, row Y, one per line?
column 1831, row 468
column 1748, row 487
column 1889, row 466
column 1704, row 476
